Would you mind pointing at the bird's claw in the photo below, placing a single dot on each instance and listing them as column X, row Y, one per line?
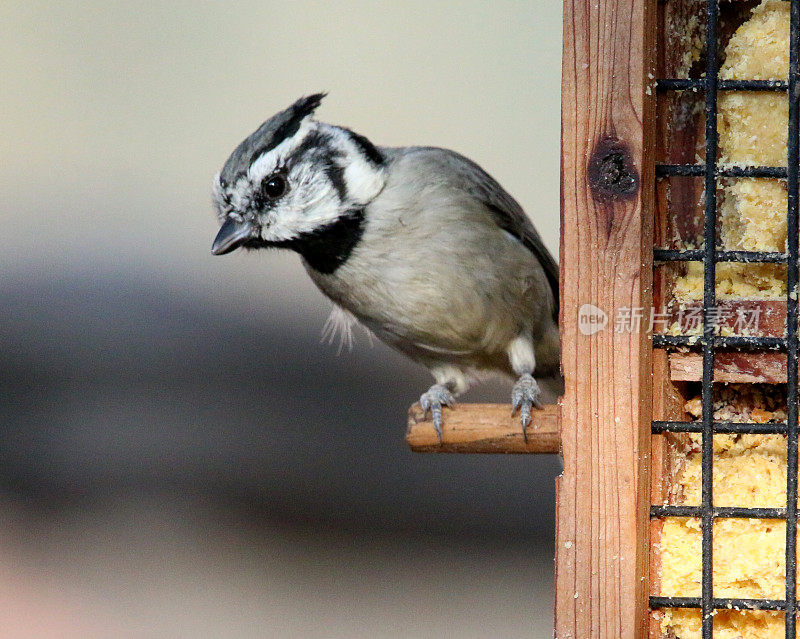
column 433, row 400
column 524, row 396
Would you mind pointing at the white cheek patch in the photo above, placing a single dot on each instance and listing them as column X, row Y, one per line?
column 312, row 204
column 364, row 181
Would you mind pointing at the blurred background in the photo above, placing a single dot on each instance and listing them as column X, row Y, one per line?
column 180, row 456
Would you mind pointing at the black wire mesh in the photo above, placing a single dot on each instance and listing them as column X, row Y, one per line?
column 708, row 343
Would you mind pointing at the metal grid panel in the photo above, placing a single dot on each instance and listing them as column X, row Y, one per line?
column 709, row 342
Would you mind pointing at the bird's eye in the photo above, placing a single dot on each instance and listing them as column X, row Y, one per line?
column 274, row 186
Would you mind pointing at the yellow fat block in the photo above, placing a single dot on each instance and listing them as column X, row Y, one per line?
column 728, row 624
column 753, row 215
column 753, row 127
column 759, row 50
column 752, row 131
column 734, row 281
column 748, row 470
column 748, row 558
column 749, row 554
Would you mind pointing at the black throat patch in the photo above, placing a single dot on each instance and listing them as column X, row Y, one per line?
column 327, row 248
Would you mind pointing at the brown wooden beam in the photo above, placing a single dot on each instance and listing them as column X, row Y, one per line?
column 607, row 190
column 484, row 428
column 750, row 368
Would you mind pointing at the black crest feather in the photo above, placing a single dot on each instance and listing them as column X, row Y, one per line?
column 278, row 128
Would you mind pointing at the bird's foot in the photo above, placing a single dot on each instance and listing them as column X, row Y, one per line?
column 524, row 396
column 433, row 400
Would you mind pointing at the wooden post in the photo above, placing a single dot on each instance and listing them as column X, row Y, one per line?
column 607, row 193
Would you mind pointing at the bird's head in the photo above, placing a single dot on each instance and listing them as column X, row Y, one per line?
column 294, row 182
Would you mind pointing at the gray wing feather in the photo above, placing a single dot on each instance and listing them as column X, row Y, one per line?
column 506, row 211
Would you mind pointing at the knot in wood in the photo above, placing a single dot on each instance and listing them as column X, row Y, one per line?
column 611, row 173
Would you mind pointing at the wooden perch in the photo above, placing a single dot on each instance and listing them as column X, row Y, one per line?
column 484, row 428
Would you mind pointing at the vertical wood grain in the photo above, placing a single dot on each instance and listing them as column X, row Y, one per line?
column 678, row 216
column 606, row 254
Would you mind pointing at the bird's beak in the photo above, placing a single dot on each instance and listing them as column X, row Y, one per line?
column 231, row 236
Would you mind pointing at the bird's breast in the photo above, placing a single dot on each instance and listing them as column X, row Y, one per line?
column 445, row 292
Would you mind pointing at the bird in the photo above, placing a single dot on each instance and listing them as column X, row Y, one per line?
column 418, row 244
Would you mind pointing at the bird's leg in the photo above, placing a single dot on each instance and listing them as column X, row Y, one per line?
column 436, row 397
column 450, row 382
column 526, row 392
column 524, row 396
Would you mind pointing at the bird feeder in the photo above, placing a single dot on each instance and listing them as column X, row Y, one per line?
column 669, row 112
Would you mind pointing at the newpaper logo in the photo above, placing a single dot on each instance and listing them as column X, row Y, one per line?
column 591, row 319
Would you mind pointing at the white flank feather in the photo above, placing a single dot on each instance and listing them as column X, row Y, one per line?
column 340, row 324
